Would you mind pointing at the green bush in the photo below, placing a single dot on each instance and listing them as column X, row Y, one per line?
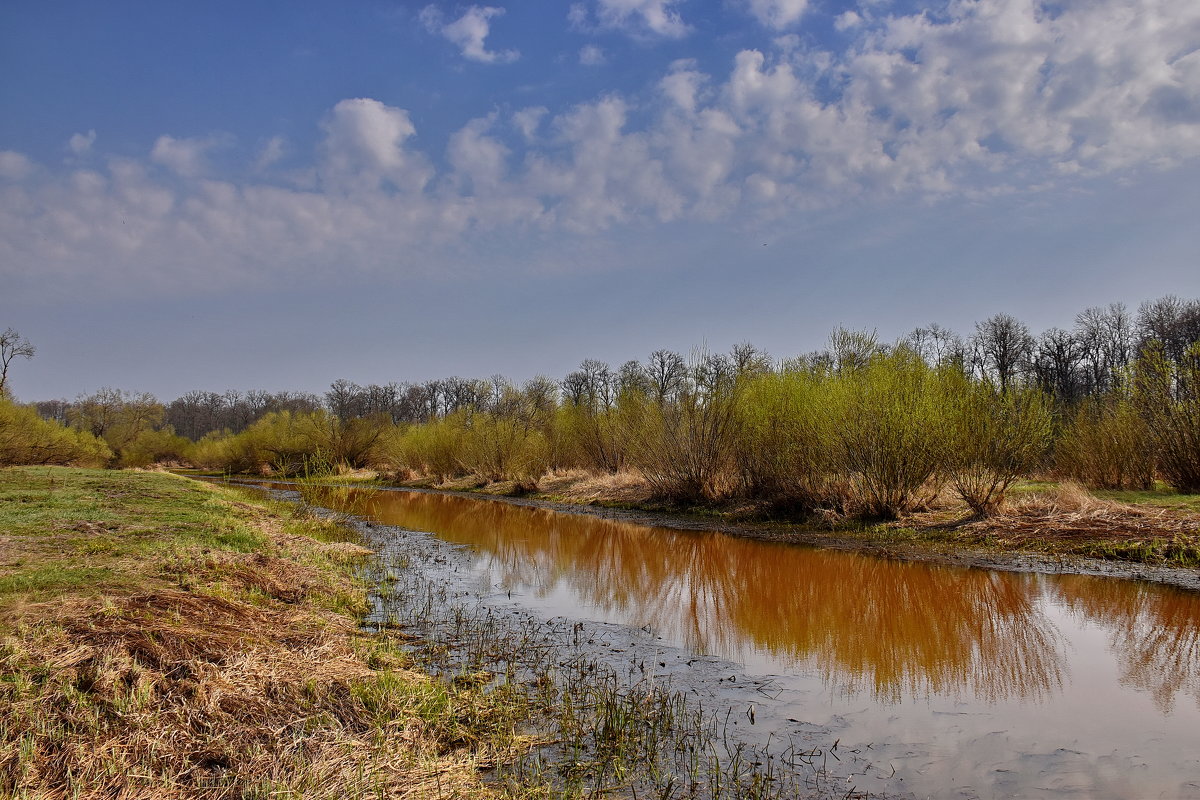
column 993, row 438
column 1167, row 393
column 784, row 441
column 887, row 419
column 1107, row 444
column 26, row 438
column 153, row 447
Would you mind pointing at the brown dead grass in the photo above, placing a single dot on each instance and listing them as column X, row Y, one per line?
column 232, row 675
column 581, row 486
column 173, row 694
column 1071, row 512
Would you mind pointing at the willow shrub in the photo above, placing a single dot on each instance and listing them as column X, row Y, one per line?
column 1107, row 444
column 26, row 438
column 434, row 449
column 993, row 438
column 684, row 447
column 154, row 447
column 1168, row 395
column 593, row 438
column 498, row 447
column 784, row 441
column 887, row 419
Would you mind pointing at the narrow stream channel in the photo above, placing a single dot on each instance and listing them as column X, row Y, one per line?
column 947, row 682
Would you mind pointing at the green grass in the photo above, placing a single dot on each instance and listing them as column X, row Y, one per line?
column 1161, row 496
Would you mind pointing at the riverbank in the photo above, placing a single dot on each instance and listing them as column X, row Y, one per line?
column 170, row 638
column 1044, row 527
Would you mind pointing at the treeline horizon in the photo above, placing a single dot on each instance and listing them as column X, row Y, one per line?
column 861, row 426
column 1068, row 364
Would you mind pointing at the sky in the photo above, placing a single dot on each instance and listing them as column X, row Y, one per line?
column 274, row 195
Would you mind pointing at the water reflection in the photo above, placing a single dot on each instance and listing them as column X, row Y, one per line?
column 1154, row 632
column 890, row 629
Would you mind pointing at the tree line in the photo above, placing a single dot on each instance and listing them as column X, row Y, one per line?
column 859, row 426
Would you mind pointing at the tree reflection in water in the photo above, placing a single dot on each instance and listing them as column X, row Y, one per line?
column 1153, row 630
column 889, row 628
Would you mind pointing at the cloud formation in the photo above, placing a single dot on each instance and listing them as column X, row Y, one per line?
column 469, row 33
column 778, row 14
column 991, row 97
column 636, row 17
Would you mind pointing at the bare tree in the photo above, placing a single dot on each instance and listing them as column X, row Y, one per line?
column 666, row 371
column 12, row 345
column 1003, row 347
column 1105, row 336
column 1055, row 365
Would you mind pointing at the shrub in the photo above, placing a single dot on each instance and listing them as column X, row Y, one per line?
column 26, row 438
column 1167, row 393
column 153, row 447
column 784, row 439
column 888, row 437
column 1107, row 444
column 993, row 437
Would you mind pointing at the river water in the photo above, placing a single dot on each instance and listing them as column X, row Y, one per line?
column 956, row 682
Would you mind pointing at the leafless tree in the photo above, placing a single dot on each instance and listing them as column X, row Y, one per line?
column 1002, row 348
column 666, row 372
column 1055, row 363
column 1105, row 337
column 12, row 345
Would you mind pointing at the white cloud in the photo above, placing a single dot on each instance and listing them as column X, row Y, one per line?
column 364, row 147
column 847, row 20
column 80, row 144
column 469, row 33
column 777, row 14
column 986, row 97
column 14, row 166
column 637, row 17
column 272, row 151
column 592, row 56
column 527, row 121
column 187, row 157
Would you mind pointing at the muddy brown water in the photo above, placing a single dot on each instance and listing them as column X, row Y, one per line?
column 957, row 682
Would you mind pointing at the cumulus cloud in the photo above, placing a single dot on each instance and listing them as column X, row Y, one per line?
column 364, row 148
column 14, row 166
column 469, row 33
column 272, row 151
column 637, row 17
column 80, row 144
column 186, row 157
column 778, row 14
column 986, row 97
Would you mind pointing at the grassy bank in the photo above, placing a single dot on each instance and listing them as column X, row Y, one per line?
column 168, row 638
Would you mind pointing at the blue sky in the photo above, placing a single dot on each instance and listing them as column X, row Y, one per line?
column 275, row 195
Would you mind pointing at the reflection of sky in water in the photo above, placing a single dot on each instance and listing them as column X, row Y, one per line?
column 982, row 682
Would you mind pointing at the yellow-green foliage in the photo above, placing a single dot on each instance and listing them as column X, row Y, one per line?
column 888, row 421
column 434, row 448
column 500, row 447
column 151, row 447
column 685, row 448
column 593, row 438
column 783, row 446
column 993, row 437
column 1168, row 395
column 26, row 438
column 1107, row 445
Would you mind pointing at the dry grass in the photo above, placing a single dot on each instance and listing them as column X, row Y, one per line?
column 232, row 675
column 1068, row 520
column 582, row 486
